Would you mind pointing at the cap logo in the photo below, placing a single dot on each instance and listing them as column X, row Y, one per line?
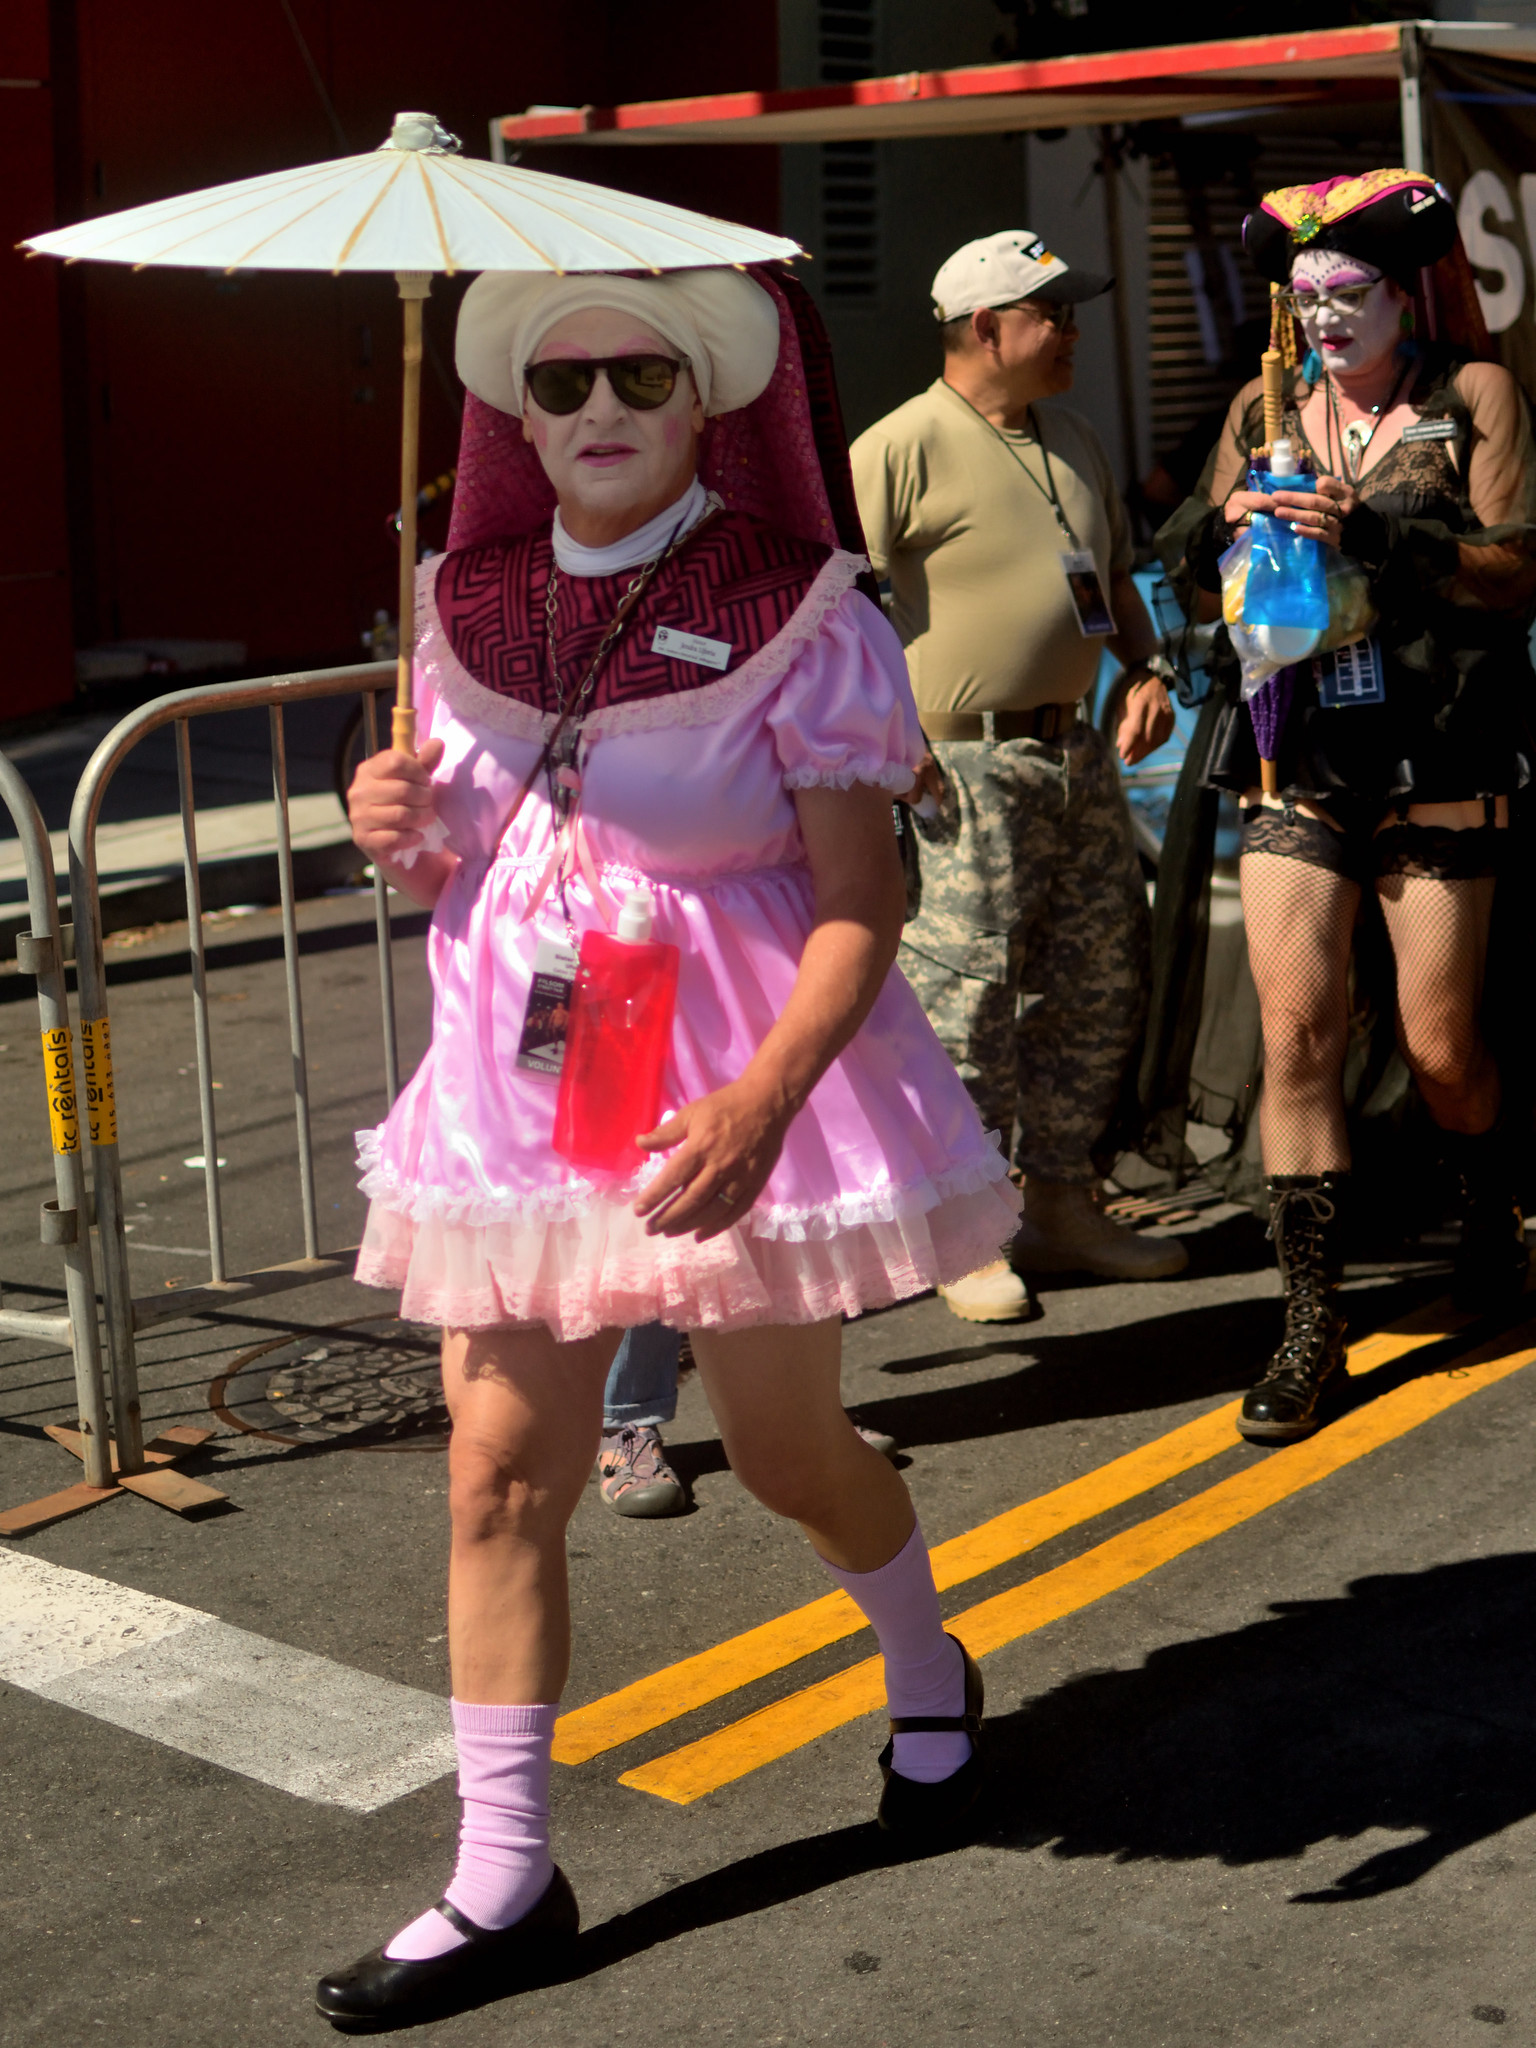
column 1425, row 199
column 1307, row 229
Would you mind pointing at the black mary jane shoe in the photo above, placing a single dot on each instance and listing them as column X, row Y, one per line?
column 378, row 1989
column 919, row 1812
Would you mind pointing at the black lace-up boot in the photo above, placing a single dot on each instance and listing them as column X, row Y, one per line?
column 1304, row 1222
column 1491, row 1260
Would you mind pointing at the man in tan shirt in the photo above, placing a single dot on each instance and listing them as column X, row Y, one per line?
column 994, row 513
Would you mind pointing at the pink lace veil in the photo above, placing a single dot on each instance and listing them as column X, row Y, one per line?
column 766, row 459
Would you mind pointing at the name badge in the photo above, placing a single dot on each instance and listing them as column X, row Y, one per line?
column 691, row 647
column 1430, row 430
column 1088, row 600
column 547, row 1019
column 1351, row 674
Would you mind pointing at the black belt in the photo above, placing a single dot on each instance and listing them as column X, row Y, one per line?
column 1044, row 722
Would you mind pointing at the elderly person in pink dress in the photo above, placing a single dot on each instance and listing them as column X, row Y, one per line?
column 640, row 455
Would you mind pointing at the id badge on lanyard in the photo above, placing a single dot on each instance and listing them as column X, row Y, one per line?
column 1094, row 616
column 1350, row 674
column 547, row 1019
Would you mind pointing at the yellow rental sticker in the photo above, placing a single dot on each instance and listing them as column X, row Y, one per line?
column 59, row 1070
column 96, row 1059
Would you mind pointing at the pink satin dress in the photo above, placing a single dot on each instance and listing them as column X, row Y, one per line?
column 887, row 1183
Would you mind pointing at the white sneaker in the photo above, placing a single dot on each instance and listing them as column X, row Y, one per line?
column 1062, row 1231
column 992, row 1294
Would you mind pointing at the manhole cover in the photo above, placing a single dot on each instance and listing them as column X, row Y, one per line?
column 361, row 1386
column 341, row 1387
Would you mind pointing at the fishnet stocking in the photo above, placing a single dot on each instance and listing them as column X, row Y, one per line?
column 1439, row 935
column 1300, row 921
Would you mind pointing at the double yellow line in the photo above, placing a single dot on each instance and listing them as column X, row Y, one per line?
column 745, row 1745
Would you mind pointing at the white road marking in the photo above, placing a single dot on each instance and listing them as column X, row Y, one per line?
column 302, row 1723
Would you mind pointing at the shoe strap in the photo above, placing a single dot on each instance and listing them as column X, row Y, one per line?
column 470, row 1929
column 937, row 1724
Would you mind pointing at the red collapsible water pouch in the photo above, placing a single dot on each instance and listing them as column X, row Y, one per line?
column 621, row 1031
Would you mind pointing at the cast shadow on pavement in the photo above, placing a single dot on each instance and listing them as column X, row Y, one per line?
column 1405, row 1705
column 1165, row 1362
column 773, row 1877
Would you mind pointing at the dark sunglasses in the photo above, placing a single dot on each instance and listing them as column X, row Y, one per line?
column 563, row 385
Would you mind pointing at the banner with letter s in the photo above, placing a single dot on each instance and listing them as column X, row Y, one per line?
column 1481, row 114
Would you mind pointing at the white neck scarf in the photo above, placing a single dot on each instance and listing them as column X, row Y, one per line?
column 575, row 560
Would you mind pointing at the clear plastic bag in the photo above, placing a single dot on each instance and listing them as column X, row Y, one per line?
column 1264, row 649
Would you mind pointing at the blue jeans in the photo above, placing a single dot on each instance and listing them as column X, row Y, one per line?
column 642, row 1381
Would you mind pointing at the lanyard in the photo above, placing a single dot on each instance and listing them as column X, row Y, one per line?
column 558, row 760
column 1047, row 489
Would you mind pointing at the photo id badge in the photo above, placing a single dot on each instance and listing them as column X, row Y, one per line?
column 547, row 1019
column 1351, row 674
column 1088, row 600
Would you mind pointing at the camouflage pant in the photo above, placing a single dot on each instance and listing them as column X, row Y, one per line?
column 1031, row 887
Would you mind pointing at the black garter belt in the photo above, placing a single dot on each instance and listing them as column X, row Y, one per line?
column 1426, row 852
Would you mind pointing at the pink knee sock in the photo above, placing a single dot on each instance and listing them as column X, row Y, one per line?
column 504, row 1862
column 923, row 1669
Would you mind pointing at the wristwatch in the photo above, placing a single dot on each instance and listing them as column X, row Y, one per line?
column 1155, row 665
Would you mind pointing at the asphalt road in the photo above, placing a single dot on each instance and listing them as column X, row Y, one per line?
column 1261, row 1732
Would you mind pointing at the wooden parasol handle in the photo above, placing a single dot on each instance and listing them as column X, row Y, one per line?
column 415, row 286
column 1273, row 368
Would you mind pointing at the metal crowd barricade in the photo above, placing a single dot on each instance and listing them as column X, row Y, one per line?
column 42, row 952
column 123, row 1314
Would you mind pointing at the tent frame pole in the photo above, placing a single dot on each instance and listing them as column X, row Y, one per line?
column 1411, row 97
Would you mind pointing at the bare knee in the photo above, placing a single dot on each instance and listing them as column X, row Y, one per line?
column 494, row 1496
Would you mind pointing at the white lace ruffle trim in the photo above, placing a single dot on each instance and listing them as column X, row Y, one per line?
column 442, row 670
column 892, row 775
column 420, row 1203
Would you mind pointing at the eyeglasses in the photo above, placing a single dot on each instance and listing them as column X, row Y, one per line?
column 562, row 385
column 1347, row 301
column 1049, row 314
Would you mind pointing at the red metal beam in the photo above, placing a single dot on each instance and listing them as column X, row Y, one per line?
column 1188, row 66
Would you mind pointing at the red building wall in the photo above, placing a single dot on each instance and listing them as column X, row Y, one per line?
column 231, row 444
column 36, row 659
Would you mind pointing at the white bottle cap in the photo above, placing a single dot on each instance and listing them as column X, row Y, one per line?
column 634, row 926
column 1282, row 459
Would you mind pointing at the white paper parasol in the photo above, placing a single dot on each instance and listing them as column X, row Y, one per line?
column 414, row 206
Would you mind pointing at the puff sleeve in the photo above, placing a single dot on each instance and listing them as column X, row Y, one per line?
column 845, row 712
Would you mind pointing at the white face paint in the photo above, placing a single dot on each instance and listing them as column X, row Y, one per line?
column 1349, row 341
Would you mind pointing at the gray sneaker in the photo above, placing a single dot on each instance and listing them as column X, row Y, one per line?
column 878, row 1440
column 635, row 1476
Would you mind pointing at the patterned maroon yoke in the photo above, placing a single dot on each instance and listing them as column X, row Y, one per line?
column 735, row 580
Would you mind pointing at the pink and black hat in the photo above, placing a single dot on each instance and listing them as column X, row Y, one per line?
column 1400, row 222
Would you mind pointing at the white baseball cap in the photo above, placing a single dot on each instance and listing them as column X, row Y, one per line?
column 996, row 270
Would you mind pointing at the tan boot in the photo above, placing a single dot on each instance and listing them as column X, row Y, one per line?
column 992, row 1294
column 1062, row 1231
